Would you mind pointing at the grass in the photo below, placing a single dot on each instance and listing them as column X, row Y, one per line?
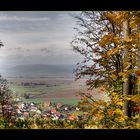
column 62, row 87
column 72, row 101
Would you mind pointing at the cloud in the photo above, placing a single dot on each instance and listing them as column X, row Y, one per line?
column 17, row 18
column 15, row 49
column 37, row 37
column 46, row 50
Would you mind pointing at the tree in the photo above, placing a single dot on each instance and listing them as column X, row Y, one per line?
column 97, row 41
column 5, row 95
column 138, row 29
column 126, row 84
column 108, row 41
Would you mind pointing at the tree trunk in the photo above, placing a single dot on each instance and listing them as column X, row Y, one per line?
column 138, row 65
column 126, row 84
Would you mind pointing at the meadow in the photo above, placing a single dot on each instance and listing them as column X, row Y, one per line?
column 64, row 90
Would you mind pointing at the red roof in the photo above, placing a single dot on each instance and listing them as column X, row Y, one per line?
column 26, row 113
column 53, row 110
column 58, row 113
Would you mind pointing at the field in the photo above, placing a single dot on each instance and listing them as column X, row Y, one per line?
column 53, row 89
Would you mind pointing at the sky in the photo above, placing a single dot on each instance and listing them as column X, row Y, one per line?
column 37, row 37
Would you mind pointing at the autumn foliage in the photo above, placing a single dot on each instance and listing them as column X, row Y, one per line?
column 110, row 42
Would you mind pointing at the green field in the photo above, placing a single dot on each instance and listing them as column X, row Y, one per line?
column 56, row 100
column 58, row 91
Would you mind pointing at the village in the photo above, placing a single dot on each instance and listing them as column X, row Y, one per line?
column 54, row 111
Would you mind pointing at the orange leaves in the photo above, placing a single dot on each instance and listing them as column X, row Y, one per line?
column 121, row 74
column 104, row 55
column 128, row 39
column 113, row 94
column 135, row 98
column 108, row 40
column 132, row 98
column 105, row 40
column 117, row 39
column 101, row 90
column 110, row 52
column 113, row 76
column 110, row 15
column 116, row 17
column 120, row 119
column 132, row 24
column 110, row 111
column 138, row 35
column 138, row 81
column 119, row 17
column 137, row 72
column 95, row 104
column 85, row 103
column 120, row 103
column 103, row 103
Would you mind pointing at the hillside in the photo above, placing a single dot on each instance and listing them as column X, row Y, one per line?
column 39, row 70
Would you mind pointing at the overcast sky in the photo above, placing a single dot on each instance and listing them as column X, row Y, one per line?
column 37, row 37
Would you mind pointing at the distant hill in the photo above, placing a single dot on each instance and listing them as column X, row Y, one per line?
column 40, row 70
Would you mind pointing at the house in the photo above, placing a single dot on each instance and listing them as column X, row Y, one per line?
column 58, row 105
column 48, row 114
column 43, row 115
column 77, row 108
column 53, row 111
column 55, row 118
column 62, row 116
column 32, row 104
column 18, row 111
column 66, row 108
column 72, row 117
column 33, row 108
column 38, row 112
column 26, row 114
column 57, row 114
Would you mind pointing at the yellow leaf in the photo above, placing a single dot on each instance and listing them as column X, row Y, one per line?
column 84, row 103
column 110, row 111
column 113, row 76
column 136, row 98
column 121, row 120
column 118, row 111
column 125, row 79
column 95, row 104
column 118, row 16
column 121, row 74
column 128, row 98
column 132, row 23
column 122, row 47
column 119, row 103
column 35, row 126
column 128, row 39
column 126, row 117
column 137, row 72
column 110, row 52
column 138, row 81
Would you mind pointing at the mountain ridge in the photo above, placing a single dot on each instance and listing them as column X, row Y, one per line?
column 41, row 69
